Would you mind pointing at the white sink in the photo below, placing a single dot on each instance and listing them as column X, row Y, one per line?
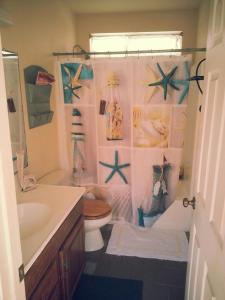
column 32, row 217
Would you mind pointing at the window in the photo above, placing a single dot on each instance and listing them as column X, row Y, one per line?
column 110, row 42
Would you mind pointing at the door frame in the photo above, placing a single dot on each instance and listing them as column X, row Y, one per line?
column 10, row 255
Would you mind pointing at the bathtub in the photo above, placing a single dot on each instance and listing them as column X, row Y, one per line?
column 176, row 217
column 57, row 177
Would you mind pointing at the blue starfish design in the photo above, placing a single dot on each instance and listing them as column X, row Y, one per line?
column 69, row 85
column 116, row 168
column 166, row 80
column 72, row 89
column 185, row 82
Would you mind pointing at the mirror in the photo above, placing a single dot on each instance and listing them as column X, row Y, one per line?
column 14, row 103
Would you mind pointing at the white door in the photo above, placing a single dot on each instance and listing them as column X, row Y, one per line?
column 10, row 250
column 206, row 265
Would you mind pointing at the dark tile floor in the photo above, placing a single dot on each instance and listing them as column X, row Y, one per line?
column 162, row 280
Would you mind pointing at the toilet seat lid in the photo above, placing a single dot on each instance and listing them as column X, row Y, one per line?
column 96, row 209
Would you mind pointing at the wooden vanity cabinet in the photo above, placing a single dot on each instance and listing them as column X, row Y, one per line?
column 71, row 260
column 49, row 286
column 56, row 272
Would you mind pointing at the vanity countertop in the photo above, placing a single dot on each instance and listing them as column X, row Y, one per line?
column 60, row 200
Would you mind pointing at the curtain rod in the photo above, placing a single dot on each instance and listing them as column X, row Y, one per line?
column 187, row 50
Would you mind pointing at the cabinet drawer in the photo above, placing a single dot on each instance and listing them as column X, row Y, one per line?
column 49, row 282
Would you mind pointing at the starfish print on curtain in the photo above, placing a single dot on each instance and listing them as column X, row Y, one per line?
column 69, row 85
column 185, row 82
column 75, row 80
column 165, row 81
column 116, row 168
column 71, row 73
column 151, row 76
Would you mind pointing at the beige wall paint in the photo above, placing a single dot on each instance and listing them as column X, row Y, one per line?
column 40, row 27
column 203, row 23
column 202, row 31
column 185, row 21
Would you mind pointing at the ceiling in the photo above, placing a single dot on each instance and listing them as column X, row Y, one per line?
column 119, row 6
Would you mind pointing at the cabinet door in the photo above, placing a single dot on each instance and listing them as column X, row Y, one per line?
column 56, row 295
column 71, row 258
column 48, row 288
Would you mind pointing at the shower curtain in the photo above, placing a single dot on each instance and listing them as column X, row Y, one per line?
column 149, row 97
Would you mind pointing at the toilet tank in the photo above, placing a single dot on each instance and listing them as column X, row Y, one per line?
column 57, row 177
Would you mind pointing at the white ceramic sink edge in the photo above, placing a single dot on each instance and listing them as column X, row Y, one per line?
column 32, row 217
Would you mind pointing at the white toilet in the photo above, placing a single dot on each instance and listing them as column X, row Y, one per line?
column 97, row 213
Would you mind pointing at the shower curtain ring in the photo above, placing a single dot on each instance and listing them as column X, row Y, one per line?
column 73, row 52
column 152, row 54
column 164, row 158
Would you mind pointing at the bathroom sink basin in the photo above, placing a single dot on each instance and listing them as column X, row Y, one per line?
column 32, row 217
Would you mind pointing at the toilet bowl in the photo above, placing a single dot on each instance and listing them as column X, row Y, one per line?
column 97, row 213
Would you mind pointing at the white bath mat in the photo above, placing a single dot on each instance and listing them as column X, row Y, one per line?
column 129, row 240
